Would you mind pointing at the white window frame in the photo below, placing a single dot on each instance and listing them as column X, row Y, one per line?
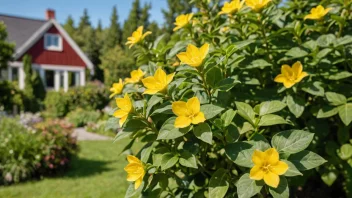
column 53, row 48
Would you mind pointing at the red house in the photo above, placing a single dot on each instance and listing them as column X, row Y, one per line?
column 54, row 54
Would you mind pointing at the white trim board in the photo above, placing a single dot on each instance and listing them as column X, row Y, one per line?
column 40, row 33
column 50, row 67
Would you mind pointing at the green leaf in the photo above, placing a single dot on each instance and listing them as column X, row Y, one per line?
column 134, row 125
column 168, row 160
column 232, row 133
column 323, row 53
column 306, row 160
column 121, row 135
column 169, row 131
column 158, row 155
column 226, row 84
column 345, row 151
column 292, row 170
column 146, row 151
column 218, row 184
column 187, row 159
column 203, row 132
column 327, row 111
column 271, row 107
column 326, row 40
column 227, row 117
column 210, row 110
column 340, row 75
column 259, row 142
column 329, row 178
column 258, row 63
column 152, row 101
column 295, row 105
column 213, row 76
column 335, row 99
column 131, row 192
column 296, row 52
column 345, row 113
column 271, row 119
column 245, row 111
column 314, row 88
column 291, row 141
column 163, row 110
column 240, row 153
column 112, row 124
column 282, row 191
column 247, row 188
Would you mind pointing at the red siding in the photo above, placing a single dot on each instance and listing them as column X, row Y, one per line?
column 66, row 57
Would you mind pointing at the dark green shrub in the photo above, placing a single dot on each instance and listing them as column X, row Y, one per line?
column 56, row 104
column 10, row 96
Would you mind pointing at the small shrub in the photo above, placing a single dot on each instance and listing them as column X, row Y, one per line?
column 10, row 96
column 56, row 104
column 81, row 117
column 27, row 152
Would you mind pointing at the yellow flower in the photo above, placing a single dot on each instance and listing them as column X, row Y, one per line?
column 158, row 82
column 135, row 170
column 232, row 7
column 116, row 88
column 317, row 13
column 290, row 76
column 268, row 167
column 257, row 5
column 136, row 76
column 125, row 107
column 187, row 112
column 194, row 56
column 137, row 36
column 182, row 20
column 224, row 29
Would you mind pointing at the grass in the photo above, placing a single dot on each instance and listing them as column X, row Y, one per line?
column 96, row 172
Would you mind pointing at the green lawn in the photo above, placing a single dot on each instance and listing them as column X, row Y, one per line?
column 97, row 172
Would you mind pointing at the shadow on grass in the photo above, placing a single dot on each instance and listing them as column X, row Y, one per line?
column 81, row 167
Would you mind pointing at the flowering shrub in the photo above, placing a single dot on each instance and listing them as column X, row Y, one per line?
column 27, row 152
column 237, row 105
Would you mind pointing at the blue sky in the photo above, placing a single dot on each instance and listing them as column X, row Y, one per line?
column 97, row 9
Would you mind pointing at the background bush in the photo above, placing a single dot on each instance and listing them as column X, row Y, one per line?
column 80, row 117
column 27, row 151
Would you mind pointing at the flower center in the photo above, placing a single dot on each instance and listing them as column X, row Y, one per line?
column 266, row 168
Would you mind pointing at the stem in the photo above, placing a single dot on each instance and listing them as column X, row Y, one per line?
column 205, row 84
column 262, row 28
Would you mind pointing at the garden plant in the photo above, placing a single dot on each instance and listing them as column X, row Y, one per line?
column 248, row 98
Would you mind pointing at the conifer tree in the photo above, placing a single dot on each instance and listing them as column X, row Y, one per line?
column 175, row 8
column 6, row 49
column 84, row 21
column 114, row 32
column 69, row 26
column 133, row 20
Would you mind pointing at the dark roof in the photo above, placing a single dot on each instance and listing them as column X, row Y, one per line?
column 20, row 29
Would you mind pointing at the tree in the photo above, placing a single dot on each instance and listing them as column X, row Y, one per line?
column 175, row 8
column 114, row 36
column 34, row 88
column 69, row 26
column 84, row 21
column 144, row 19
column 133, row 20
column 154, row 28
column 6, row 48
column 116, row 64
column 99, row 26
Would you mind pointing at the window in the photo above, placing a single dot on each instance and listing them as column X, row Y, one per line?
column 53, row 42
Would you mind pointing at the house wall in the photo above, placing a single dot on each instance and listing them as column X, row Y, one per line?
column 65, row 57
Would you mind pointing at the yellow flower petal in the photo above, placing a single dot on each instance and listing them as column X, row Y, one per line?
column 149, row 82
column 182, row 122
column 199, row 118
column 280, row 78
column 123, row 120
column 160, row 76
column 271, row 179
column 256, row 173
column 124, row 103
column 204, row 50
column 272, row 156
column 137, row 183
column 169, row 78
column 288, row 84
column 297, row 68
column 183, row 57
column 301, row 76
column 133, row 159
column 151, row 91
column 193, row 105
column 180, row 108
column 120, row 113
column 258, row 157
column 286, row 70
column 280, row 168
